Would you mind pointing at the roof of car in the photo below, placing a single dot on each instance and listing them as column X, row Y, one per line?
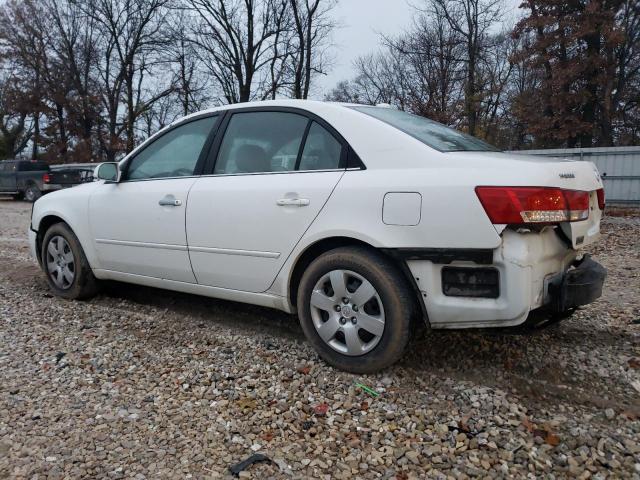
column 314, row 106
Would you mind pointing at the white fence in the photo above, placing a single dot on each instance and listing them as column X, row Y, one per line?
column 619, row 167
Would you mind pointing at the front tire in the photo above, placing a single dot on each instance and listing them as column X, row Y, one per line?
column 32, row 193
column 65, row 264
column 356, row 308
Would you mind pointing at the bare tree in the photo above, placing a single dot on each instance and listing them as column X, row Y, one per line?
column 14, row 129
column 132, row 33
column 472, row 21
column 312, row 27
column 190, row 87
column 237, row 43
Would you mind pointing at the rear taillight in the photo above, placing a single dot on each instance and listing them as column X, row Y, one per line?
column 46, row 178
column 523, row 205
column 601, row 202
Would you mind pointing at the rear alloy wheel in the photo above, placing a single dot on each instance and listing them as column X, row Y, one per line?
column 347, row 312
column 356, row 309
column 63, row 260
column 32, row 193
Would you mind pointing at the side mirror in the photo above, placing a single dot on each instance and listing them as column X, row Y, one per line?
column 108, row 171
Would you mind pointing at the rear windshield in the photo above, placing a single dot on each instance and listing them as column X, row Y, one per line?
column 432, row 134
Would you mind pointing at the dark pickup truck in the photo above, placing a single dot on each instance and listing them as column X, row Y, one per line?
column 71, row 174
column 23, row 179
column 31, row 179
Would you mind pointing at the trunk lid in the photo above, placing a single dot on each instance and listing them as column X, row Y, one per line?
column 538, row 171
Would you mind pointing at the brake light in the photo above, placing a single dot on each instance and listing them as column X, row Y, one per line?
column 46, row 178
column 601, row 202
column 523, row 205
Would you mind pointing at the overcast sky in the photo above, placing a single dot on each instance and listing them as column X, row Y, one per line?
column 361, row 22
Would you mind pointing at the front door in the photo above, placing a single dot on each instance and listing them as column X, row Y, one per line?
column 138, row 224
column 273, row 175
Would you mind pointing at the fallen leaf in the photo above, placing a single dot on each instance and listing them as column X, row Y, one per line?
column 634, row 363
column 247, row 404
column 321, row 409
column 304, row 370
column 526, row 423
column 552, row 439
column 267, row 436
column 364, row 406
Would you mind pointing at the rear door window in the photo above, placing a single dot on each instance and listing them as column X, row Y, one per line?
column 271, row 142
column 261, row 142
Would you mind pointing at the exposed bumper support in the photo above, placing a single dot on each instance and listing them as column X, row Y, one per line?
column 580, row 285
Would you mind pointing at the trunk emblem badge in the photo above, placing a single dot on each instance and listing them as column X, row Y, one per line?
column 568, row 175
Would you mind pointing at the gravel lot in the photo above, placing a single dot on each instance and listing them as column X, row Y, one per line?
column 143, row 383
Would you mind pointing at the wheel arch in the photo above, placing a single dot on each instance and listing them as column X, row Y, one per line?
column 314, row 250
column 45, row 224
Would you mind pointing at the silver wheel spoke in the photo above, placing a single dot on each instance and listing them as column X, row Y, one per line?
column 57, row 277
column 328, row 329
column 354, row 344
column 363, row 294
column 338, row 284
column 373, row 325
column 321, row 301
column 68, row 275
column 52, row 249
column 68, row 257
column 52, row 267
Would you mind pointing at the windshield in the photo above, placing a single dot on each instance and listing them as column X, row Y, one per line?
column 432, row 134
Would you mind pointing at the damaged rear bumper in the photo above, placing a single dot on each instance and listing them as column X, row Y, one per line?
column 580, row 285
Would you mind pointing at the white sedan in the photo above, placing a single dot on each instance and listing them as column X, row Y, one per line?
column 364, row 220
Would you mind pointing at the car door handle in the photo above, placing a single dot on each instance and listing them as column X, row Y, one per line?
column 293, row 202
column 170, row 201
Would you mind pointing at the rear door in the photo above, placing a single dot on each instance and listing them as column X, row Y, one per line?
column 274, row 171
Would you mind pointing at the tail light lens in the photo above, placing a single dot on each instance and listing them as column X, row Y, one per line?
column 524, row 205
column 46, row 178
column 601, row 202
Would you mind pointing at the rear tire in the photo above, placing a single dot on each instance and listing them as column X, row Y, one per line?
column 32, row 193
column 65, row 264
column 356, row 309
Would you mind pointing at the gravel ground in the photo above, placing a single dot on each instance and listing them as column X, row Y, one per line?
column 143, row 383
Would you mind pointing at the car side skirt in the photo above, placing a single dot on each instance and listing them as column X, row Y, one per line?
column 261, row 299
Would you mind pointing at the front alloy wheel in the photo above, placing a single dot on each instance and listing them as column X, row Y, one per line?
column 61, row 265
column 65, row 264
column 356, row 308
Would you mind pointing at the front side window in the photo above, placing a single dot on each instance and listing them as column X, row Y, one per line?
column 432, row 134
column 258, row 142
column 174, row 154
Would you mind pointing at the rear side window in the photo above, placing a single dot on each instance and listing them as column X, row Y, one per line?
column 271, row 142
column 321, row 150
column 432, row 134
column 9, row 167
